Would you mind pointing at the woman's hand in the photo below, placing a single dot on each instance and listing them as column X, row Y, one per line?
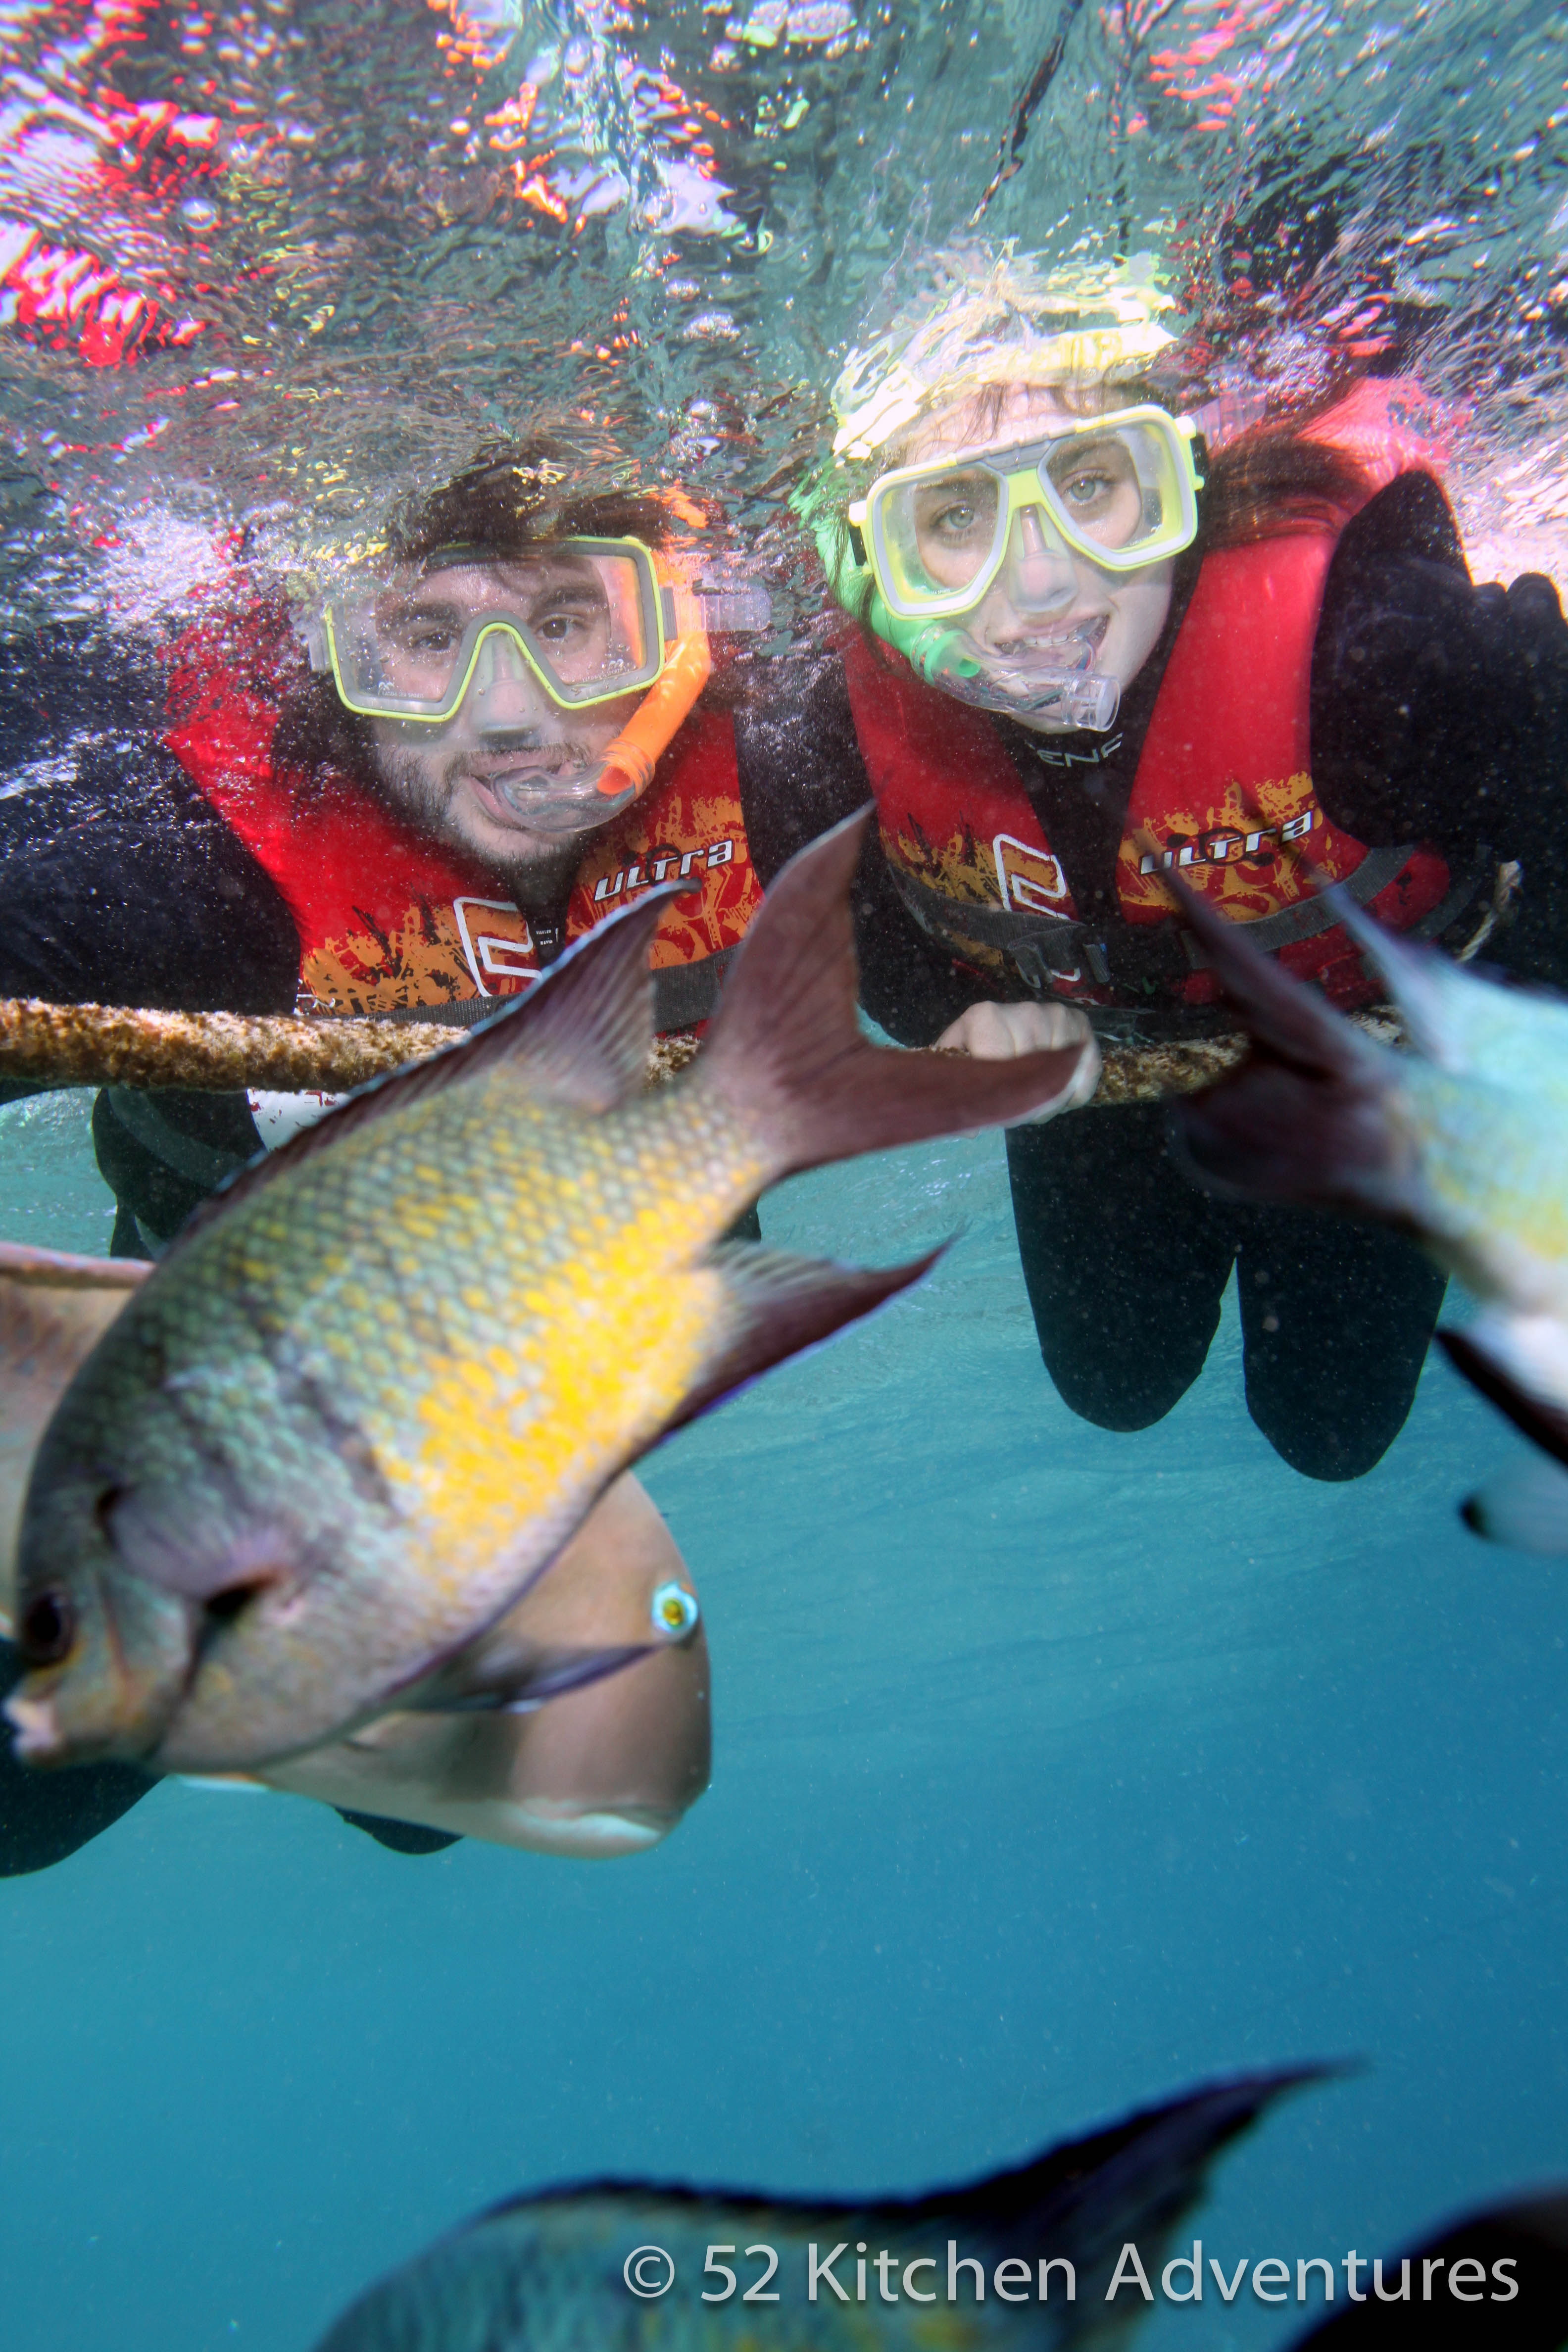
column 993, row 1032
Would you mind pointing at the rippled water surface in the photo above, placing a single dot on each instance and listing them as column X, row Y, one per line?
column 1054, row 1768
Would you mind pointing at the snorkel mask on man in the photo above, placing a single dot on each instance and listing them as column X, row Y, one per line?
column 1007, row 554
column 552, row 675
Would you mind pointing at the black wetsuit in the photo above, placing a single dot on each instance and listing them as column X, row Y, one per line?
column 1439, row 713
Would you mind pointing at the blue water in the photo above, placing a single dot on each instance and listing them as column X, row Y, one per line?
column 1053, row 1769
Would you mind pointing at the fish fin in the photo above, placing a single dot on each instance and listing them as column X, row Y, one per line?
column 1277, row 1134
column 1295, row 1024
column 788, row 1052
column 581, row 1035
column 1134, row 2180
column 1429, row 987
column 1081, row 2199
column 54, row 1309
column 486, row 1679
column 44, row 1269
column 1544, row 1423
column 1528, row 2233
column 1306, row 1118
column 1524, row 1506
column 779, row 1306
column 399, row 1837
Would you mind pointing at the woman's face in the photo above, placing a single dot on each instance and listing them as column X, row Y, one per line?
column 1045, row 607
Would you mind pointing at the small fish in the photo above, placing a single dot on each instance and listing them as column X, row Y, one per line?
column 1496, row 2277
column 607, row 1769
column 549, row 2273
column 370, row 1393
column 1462, row 1143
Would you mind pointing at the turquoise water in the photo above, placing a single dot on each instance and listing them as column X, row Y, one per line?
column 1053, row 1769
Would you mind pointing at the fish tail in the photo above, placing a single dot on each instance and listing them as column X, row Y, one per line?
column 1501, row 1373
column 1524, row 1508
column 788, row 1052
column 1086, row 2199
column 1307, row 1117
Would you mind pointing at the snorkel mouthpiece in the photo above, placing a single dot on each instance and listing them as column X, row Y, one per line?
column 1079, row 695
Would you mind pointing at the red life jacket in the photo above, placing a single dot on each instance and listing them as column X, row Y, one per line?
column 388, row 918
column 1222, row 791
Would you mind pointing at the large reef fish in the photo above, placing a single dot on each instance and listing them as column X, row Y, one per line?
column 623, row 2265
column 607, row 1769
column 373, row 1388
column 1461, row 1142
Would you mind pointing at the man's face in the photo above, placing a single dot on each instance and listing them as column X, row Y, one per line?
column 512, row 776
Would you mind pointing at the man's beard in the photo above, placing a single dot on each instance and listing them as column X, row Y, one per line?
column 423, row 793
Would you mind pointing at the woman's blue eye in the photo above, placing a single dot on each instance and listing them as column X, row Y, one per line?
column 1084, row 488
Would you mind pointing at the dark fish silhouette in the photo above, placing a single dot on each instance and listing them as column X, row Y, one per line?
column 1497, row 2277
column 549, row 2273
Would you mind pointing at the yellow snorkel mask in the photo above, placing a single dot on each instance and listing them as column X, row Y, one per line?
column 448, row 643
column 919, row 552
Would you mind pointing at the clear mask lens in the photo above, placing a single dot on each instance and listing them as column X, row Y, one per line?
column 1120, row 491
column 579, row 619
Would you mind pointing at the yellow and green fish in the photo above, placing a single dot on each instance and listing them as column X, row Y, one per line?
column 1461, row 1142
column 372, row 1389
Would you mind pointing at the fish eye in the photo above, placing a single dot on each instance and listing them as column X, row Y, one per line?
column 47, row 1627
column 674, row 1611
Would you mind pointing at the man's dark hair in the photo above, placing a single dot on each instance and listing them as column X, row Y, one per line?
column 515, row 495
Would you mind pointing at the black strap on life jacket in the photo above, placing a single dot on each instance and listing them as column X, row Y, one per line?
column 683, row 995
column 1143, row 957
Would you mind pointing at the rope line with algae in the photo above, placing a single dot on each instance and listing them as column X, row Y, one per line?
column 108, row 1045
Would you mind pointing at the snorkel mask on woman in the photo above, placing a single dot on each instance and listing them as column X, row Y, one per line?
column 507, row 654
column 936, row 548
column 1118, row 490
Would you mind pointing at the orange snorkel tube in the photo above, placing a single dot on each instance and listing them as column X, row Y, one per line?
column 659, row 718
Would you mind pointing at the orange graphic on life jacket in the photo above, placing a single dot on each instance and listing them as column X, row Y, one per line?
column 421, row 959
column 497, row 942
column 1004, row 872
column 1248, row 855
column 681, row 830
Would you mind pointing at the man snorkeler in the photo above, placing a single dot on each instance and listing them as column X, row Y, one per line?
column 406, row 802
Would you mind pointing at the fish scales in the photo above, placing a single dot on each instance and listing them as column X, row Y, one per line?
column 370, row 1394
column 493, row 1412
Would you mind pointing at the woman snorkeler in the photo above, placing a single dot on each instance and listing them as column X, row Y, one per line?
column 1089, row 653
